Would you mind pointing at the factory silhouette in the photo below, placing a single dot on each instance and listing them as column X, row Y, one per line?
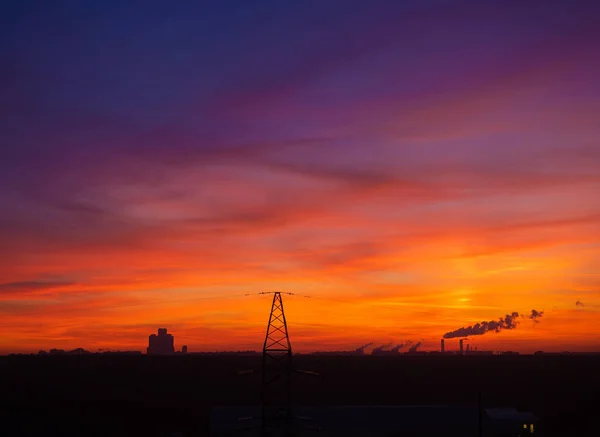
column 362, row 391
column 284, row 406
column 163, row 344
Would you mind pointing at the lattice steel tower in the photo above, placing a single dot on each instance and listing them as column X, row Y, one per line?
column 276, row 395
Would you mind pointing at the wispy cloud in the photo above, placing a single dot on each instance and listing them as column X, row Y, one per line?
column 28, row 286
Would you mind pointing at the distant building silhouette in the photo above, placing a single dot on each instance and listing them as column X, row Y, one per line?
column 479, row 352
column 184, row 349
column 120, row 353
column 161, row 344
column 226, row 353
column 79, row 351
column 385, row 352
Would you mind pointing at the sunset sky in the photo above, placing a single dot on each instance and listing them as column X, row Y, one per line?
column 413, row 166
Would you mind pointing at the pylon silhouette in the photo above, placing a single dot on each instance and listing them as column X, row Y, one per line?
column 276, row 393
column 277, row 418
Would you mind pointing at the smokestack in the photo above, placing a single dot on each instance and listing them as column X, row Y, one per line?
column 443, row 348
column 461, row 346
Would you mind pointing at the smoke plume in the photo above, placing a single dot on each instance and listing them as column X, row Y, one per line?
column 381, row 348
column 507, row 322
column 536, row 315
column 579, row 304
column 397, row 347
column 414, row 347
column 362, row 348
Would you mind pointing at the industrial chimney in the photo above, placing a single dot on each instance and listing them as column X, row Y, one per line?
column 461, row 346
column 443, row 348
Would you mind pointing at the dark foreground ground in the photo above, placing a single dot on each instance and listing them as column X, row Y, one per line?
column 153, row 396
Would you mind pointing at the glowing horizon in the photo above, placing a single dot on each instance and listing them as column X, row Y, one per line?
column 413, row 178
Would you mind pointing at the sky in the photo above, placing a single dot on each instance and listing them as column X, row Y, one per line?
column 414, row 167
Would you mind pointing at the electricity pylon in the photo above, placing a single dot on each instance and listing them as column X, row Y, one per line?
column 276, row 391
column 277, row 418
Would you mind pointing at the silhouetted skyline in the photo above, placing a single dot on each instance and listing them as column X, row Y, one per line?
column 163, row 343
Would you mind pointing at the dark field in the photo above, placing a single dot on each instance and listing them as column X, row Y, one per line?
column 151, row 396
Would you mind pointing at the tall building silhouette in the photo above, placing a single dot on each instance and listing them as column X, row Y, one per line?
column 161, row 344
